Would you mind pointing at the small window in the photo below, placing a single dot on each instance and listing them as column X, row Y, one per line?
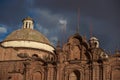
column 76, row 59
column 52, row 59
column 35, row 56
column 95, row 44
column 9, row 78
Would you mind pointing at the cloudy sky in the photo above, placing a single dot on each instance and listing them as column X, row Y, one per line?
column 54, row 18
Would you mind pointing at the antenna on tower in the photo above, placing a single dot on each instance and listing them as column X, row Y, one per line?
column 78, row 19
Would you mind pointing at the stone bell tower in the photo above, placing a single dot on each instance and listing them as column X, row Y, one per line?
column 94, row 43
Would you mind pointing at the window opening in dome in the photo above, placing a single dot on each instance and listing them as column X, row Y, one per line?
column 26, row 24
column 35, row 56
column 29, row 25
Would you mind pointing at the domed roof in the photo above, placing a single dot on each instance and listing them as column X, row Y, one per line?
column 27, row 35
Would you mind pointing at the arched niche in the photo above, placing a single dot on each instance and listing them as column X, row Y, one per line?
column 16, row 76
column 75, row 75
column 37, row 76
column 116, row 73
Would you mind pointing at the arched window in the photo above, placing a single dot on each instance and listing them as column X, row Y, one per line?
column 75, row 75
column 26, row 24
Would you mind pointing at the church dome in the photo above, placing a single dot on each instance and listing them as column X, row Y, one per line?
column 28, row 37
column 27, row 34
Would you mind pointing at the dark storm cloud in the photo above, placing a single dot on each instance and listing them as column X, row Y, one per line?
column 104, row 15
column 12, row 11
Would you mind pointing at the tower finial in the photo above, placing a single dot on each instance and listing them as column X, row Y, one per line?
column 28, row 23
column 94, row 43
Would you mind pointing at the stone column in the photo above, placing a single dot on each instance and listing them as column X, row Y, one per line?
column 50, row 72
column 95, row 71
column 46, row 72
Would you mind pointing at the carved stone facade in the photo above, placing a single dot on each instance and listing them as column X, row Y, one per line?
column 77, row 59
